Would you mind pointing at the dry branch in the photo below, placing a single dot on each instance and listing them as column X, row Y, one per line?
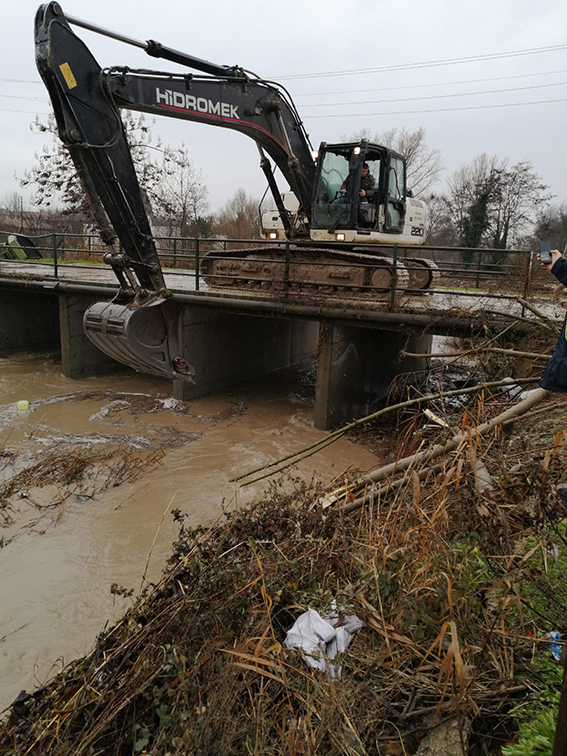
column 451, row 445
column 291, row 459
column 480, row 350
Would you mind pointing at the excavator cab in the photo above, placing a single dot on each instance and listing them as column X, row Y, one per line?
column 340, row 213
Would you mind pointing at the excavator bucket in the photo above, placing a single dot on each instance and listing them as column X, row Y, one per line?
column 143, row 336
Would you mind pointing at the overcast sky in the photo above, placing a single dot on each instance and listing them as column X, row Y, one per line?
column 512, row 105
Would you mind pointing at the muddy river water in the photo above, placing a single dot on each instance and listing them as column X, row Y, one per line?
column 66, row 538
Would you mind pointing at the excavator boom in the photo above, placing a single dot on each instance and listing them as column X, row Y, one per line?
column 140, row 327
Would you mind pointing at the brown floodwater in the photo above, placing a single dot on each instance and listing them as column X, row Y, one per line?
column 64, row 545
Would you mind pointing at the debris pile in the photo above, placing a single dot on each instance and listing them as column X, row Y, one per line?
column 457, row 586
column 42, row 467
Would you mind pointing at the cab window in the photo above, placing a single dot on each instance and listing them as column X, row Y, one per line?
column 395, row 208
column 331, row 210
column 396, row 182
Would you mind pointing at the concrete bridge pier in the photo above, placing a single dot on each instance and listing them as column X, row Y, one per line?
column 355, row 368
column 80, row 358
column 227, row 348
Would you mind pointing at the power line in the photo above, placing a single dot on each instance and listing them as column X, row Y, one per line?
column 23, row 97
column 29, row 112
column 433, row 97
column 428, row 63
column 386, row 89
column 21, row 81
column 399, row 67
column 422, row 86
column 433, row 110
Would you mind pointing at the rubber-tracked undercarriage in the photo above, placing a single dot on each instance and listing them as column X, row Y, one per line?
column 352, row 274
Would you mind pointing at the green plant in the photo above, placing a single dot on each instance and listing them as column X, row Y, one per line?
column 535, row 736
column 537, row 721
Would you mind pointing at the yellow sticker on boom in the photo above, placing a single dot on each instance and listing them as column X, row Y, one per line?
column 65, row 69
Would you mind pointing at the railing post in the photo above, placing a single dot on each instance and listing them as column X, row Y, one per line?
column 197, row 265
column 478, row 269
column 528, row 278
column 55, row 271
column 394, row 276
column 286, row 265
column 89, row 245
column 174, row 253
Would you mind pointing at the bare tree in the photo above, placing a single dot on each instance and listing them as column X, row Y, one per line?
column 239, row 218
column 54, row 177
column 13, row 204
column 180, row 197
column 552, row 224
column 493, row 204
column 439, row 230
column 516, row 195
column 423, row 163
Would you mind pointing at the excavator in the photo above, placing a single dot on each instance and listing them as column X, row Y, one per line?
column 323, row 210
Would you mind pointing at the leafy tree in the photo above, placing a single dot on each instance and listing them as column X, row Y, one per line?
column 464, row 186
column 476, row 221
column 475, row 224
column 423, row 163
column 239, row 218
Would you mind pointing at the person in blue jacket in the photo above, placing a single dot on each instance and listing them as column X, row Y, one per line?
column 554, row 376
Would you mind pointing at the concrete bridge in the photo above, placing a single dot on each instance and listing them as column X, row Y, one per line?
column 231, row 337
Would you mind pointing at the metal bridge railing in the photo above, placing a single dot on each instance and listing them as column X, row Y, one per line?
column 458, row 270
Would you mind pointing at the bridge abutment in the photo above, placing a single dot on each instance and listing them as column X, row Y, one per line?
column 356, row 367
column 226, row 348
column 28, row 320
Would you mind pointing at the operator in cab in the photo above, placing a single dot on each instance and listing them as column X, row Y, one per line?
column 366, row 192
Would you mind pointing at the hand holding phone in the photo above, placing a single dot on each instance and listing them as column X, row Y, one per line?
column 545, row 252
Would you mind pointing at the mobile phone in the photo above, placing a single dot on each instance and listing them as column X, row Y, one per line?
column 545, row 252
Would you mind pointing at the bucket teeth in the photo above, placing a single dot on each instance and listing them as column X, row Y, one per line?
column 143, row 336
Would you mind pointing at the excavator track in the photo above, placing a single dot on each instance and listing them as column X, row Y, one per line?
column 314, row 269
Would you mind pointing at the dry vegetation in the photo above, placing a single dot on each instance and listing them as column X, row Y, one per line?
column 457, row 590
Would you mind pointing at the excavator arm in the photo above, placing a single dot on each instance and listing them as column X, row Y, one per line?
column 140, row 327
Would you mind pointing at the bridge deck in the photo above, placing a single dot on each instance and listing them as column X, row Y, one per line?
column 439, row 305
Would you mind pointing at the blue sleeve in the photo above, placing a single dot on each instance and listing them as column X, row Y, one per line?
column 559, row 270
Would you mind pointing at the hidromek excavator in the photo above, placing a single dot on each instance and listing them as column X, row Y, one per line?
column 139, row 327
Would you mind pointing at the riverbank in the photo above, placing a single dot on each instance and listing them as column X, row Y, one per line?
column 457, row 591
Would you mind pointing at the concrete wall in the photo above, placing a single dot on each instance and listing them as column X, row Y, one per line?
column 28, row 320
column 79, row 356
column 356, row 367
column 226, row 349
